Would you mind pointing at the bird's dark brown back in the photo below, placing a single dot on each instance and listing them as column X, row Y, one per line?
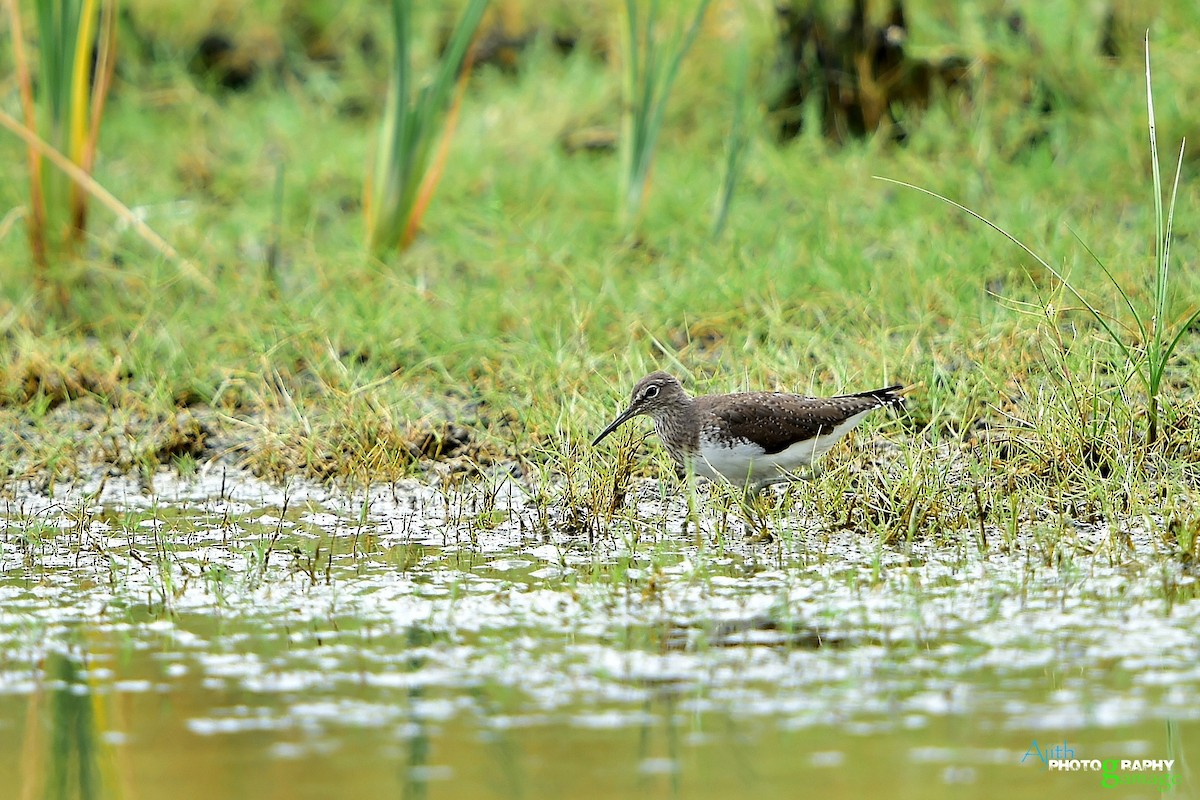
column 776, row 421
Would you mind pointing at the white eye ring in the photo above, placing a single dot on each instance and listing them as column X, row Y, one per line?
column 651, row 393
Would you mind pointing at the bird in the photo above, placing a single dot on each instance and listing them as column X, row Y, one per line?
column 748, row 439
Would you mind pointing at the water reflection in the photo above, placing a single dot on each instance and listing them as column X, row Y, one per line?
column 68, row 749
column 208, row 645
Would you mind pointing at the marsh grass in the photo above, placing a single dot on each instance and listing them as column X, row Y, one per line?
column 521, row 325
column 71, row 92
column 77, row 57
column 416, row 117
column 738, row 139
column 651, row 65
column 1146, row 339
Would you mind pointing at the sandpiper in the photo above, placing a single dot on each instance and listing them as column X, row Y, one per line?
column 751, row 439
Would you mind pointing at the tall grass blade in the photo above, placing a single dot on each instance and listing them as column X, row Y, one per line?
column 1100, row 318
column 403, row 182
column 1157, row 179
column 87, row 136
column 433, row 175
column 1133, row 312
column 651, row 67
column 1160, row 265
column 71, row 90
column 37, row 200
column 1157, row 340
column 736, row 143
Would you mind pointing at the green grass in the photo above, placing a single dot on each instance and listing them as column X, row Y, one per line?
column 520, row 317
column 71, row 103
column 1146, row 337
column 416, row 116
column 651, row 61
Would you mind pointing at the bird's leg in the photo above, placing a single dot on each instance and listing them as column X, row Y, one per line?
column 811, row 473
column 693, row 518
column 751, row 503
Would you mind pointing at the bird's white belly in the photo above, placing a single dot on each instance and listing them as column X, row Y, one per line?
column 745, row 462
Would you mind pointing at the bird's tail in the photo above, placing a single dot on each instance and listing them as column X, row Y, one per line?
column 888, row 396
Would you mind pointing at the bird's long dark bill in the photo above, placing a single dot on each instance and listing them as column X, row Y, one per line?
column 626, row 415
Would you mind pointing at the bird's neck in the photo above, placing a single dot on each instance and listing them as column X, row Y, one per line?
column 678, row 430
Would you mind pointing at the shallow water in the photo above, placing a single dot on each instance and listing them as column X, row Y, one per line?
column 220, row 637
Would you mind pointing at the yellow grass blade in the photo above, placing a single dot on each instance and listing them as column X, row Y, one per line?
column 434, row 175
column 88, row 184
column 37, row 200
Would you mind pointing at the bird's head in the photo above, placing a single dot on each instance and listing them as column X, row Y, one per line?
column 654, row 395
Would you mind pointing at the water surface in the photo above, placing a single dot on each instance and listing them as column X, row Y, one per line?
column 220, row 637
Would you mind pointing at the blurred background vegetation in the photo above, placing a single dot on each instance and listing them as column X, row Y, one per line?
column 242, row 132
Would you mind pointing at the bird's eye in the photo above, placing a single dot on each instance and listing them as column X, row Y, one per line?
column 651, row 393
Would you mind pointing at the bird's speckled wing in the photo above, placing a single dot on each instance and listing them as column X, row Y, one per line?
column 776, row 421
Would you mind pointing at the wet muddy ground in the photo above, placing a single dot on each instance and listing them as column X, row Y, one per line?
column 213, row 636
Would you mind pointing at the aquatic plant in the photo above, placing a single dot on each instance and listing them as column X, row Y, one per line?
column 76, row 57
column 1149, row 339
column 76, row 63
column 405, row 178
column 651, row 66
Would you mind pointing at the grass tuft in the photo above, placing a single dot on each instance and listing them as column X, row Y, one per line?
column 651, row 66
column 71, row 90
column 1147, row 340
column 406, row 171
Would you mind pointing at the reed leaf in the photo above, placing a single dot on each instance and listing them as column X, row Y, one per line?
column 402, row 184
column 71, row 94
column 735, row 145
column 651, row 66
column 1149, row 352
